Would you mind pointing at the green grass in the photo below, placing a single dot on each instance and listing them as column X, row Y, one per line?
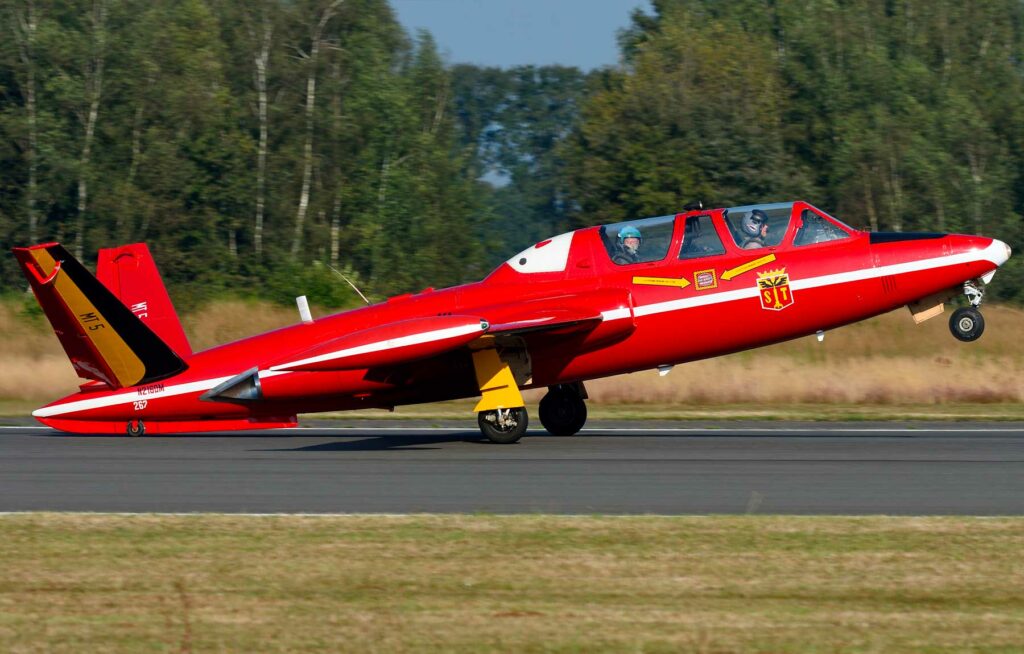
column 496, row 583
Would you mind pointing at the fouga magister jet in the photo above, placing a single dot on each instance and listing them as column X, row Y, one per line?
column 599, row 301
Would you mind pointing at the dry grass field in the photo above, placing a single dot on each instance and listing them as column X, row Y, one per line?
column 886, row 363
column 90, row 583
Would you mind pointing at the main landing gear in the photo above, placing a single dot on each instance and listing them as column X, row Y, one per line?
column 563, row 411
column 503, row 426
column 501, row 412
column 967, row 323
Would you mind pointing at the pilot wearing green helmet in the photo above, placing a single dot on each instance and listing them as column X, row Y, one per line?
column 627, row 246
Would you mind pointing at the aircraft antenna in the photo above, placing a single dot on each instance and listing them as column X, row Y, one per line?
column 349, row 282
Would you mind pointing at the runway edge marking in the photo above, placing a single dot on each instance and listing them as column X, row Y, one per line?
column 722, row 430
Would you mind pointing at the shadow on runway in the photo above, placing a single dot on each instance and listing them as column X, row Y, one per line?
column 384, row 443
column 153, row 437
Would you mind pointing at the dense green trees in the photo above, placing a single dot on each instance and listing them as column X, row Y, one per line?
column 254, row 144
column 895, row 115
column 243, row 141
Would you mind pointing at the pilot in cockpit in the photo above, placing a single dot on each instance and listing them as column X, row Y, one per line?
column 755, row 230
column 627, row 246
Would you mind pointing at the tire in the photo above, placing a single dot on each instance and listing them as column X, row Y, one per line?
column 967, row 324
column 562, row 412
column 138, row 430
column 506, row 434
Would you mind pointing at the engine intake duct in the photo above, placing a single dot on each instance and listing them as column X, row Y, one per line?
column 241, row 388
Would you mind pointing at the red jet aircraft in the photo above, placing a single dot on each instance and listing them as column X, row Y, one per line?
column 595, row 302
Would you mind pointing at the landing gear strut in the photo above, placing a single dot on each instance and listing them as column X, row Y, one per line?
column 967, row 323
column 563, row 411
column 503, row 426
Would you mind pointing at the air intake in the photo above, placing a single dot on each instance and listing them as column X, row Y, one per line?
column 244, row 387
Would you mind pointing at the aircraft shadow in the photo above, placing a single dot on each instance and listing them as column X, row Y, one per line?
column 148, row 437
column 383, row 443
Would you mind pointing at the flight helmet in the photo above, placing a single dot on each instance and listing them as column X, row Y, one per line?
column 629, row 232
column 753, row 222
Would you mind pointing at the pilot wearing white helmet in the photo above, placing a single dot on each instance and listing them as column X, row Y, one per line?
column 755, row 230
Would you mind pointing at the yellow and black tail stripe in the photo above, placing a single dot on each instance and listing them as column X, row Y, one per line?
column 129, row 351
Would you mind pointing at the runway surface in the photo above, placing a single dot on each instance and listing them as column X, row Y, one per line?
column 611, row 467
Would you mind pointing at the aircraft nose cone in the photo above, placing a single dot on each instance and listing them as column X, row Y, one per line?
column 1000, row 251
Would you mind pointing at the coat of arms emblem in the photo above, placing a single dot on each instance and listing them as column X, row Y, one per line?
column 773, row 287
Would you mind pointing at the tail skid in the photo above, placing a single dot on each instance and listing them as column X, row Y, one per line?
column 103, row 339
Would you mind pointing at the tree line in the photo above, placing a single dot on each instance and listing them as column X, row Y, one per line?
column 258, row 145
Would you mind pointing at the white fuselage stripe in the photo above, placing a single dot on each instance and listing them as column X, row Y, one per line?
column 206, row 384
column 128, row 396
column 389, row 344
column 994, row 253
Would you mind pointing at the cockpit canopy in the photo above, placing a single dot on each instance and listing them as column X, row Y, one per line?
column 748, row 227
column 654, row 236
column 699, row 234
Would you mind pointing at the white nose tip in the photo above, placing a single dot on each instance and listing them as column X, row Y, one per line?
column 1000, row 252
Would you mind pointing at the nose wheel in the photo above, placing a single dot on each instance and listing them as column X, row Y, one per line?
column 967, row 324
column 503, row 426
column 563, row 411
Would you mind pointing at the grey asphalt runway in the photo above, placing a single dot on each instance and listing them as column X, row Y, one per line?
column 611, row 467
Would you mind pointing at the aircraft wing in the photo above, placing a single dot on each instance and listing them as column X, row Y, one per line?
column 390, row 344
column 569, row 314
column 563, row 321
column 415, row 339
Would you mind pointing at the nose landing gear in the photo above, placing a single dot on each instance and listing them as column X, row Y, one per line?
column 563, row 411
column 967, row 324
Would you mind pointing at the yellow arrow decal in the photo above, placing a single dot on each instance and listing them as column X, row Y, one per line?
column 748, row 266
column 682, row 282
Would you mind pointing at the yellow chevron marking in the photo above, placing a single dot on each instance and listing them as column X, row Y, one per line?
column 681, row 282
column 747, row 267
column 498, row 388
column 97, row 329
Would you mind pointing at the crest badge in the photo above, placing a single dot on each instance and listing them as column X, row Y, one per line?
column 705, row 279
column 773, row 287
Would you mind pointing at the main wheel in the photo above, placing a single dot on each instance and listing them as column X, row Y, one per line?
column 967, row 324
column 562, row 411
column 503, row 426
column 138, row 429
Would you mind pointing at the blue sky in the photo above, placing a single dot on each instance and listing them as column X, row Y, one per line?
column 514, row 32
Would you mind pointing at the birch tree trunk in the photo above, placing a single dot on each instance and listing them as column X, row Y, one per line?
column 869, row 202
column 895, row 184
column 307, row 165
column 93, row 90
column 976, row 165
column 335, row 232
column 262, row 61
column 25, row 35
column 133, row 167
